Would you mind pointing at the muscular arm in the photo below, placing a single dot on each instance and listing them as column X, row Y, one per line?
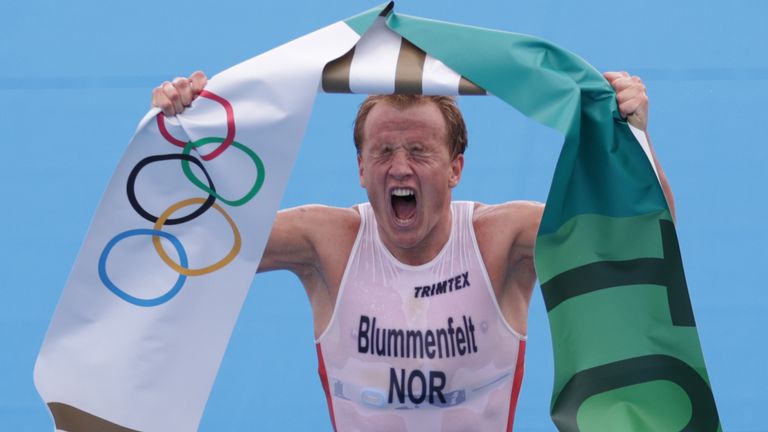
column 298, row 234
column 506, row 235
column 310, row 238
column 313, row 242
column 290, row 245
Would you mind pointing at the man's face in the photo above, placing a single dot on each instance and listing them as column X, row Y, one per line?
column 406, row 168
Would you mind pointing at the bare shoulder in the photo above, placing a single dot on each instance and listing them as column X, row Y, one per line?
column 305, row 236
column 510, row 227
column 518, row 217
column 317, row 217
column 508, row 209
column 320, row 225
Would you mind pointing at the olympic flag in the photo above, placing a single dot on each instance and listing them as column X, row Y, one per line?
column 148, row 309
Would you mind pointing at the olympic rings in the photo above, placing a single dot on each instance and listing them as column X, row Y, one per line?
column 260, row 172
column 130, row 186
column 124, row 295
column 230, row 127
column 182, row 269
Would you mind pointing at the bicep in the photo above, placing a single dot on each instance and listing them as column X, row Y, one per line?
column 507, row 235
column 520, row 276
column 289, row 246
column 525, row 217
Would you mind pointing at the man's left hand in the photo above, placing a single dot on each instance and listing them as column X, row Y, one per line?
column 631, row 98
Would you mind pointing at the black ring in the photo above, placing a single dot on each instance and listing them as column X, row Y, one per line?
column 130, row 185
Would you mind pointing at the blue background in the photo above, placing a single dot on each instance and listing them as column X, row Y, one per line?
column 76, row 76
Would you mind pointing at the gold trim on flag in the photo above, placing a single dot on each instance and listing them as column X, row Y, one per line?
column 410, row 69
column 467, row 87
column 409, row 73
column 336, row 74
column 70, row 419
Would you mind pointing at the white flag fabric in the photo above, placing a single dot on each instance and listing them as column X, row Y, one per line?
column 145, row 317
column 135, row 344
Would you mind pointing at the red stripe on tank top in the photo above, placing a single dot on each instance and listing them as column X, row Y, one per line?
column 516, row 385
column 324, row 381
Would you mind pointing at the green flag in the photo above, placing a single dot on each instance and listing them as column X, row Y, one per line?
column 627, row 354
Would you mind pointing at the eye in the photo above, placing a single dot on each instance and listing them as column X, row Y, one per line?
column 417, row 150
column 383, row 151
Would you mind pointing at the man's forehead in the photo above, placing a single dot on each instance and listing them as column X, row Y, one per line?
column 388, row 119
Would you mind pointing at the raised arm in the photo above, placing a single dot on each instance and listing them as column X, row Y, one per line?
column 289, row 246
column 313, row 242
column 506, row 235
column 633, row 105
column 310, row 239
column 299, row 236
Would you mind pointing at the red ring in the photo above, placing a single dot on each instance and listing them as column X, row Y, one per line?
column 230, row 127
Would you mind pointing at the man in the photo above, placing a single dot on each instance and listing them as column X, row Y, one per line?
column 420, row 303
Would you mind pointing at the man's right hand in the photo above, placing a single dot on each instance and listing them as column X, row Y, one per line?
column 174, row 97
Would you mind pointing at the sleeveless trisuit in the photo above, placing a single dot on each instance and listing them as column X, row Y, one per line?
column 419, row 348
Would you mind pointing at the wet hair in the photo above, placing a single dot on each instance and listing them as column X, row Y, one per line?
column 456, row 130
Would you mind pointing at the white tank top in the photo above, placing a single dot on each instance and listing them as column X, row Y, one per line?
column 419, row 348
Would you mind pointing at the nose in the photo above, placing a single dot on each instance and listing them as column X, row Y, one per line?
column 401, row 167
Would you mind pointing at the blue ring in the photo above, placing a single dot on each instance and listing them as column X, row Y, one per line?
column 127, row 297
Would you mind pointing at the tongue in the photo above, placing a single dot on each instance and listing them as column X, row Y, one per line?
column 405, row 207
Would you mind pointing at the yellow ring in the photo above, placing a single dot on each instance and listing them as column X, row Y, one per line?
column 201, row 271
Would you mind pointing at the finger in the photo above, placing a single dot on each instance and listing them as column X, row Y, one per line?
column 173, row 95
column 160, row 100
column 184, row 88
column 632, row 99
column 635, row 105
column 621, row 84
column 629, row 92
column 613, row 76
column 198, row 81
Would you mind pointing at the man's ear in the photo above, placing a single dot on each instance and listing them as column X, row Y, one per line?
column 360, row 170
column 457, row 165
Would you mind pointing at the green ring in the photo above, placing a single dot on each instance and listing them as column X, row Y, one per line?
column 260, row 172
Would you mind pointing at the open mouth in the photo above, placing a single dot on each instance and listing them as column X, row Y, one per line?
column 403, row 205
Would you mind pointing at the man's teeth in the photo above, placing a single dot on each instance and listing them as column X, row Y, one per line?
column 402, row 192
